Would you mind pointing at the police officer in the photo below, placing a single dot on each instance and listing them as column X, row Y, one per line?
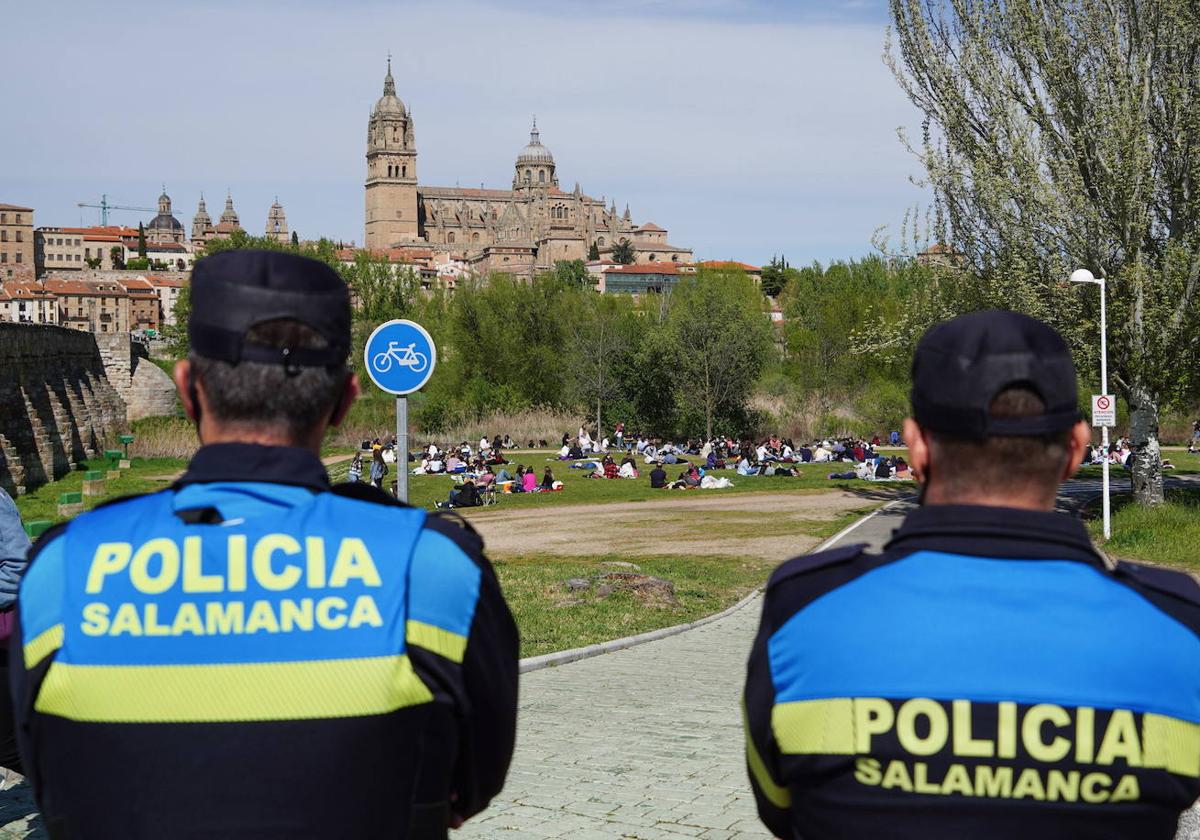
column 253, row 653
column 989, row 674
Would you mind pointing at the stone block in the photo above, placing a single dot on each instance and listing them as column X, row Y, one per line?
column 124, row 464
column 69, row 511
column 113, row 475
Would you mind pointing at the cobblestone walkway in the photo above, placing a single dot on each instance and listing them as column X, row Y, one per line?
column 642, row 743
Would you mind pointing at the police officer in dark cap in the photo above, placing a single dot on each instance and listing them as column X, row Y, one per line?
column 990, row 674
column 252, row 652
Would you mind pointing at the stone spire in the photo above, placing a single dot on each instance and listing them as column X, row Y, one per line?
column 230, row 216
column 201, row 222
column 389, row 84
column 628, row 217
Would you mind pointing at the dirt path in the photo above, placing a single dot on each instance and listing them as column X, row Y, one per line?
column 770, row 526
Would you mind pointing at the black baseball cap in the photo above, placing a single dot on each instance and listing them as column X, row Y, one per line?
column 233, row 291
column 961, row 365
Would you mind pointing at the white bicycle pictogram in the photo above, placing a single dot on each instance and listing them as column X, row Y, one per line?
column 407, row 357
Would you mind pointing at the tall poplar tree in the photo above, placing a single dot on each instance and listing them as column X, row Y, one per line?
column 1063, row 134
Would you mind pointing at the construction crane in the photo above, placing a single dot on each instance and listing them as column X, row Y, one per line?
column 104, row 207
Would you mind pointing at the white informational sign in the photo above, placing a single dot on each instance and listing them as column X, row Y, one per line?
column 1104, row 410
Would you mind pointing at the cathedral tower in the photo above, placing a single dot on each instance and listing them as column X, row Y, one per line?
column 391, row 171
column 277, row 228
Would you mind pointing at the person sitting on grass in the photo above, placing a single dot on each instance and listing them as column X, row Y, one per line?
column 464, row 495
column 658, row 477
column 486, row 477
column 610, row 467
column 529, row 481
column 454, row 464
column 547, row 481
column 628, row 468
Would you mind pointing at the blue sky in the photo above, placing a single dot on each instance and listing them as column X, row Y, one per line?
column 746, row 127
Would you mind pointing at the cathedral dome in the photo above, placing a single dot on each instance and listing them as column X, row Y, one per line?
column 535, row 152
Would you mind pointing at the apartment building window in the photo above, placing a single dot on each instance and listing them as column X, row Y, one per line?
column 18, row 218
column 3, row 218
column 19, row 257
column 78, row 258
column 3, row 236
column 20, row 236
column 4, row 259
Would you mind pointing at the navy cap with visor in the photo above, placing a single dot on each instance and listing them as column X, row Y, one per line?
column 234, row 291
column 961, row 366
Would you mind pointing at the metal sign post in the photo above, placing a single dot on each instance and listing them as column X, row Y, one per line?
column 402, row 448
column 1082, row 275
column 399, row 357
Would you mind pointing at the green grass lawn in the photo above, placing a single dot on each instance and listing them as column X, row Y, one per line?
column 1168, row 535
column 551, row 618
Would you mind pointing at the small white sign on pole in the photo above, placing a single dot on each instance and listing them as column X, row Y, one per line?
column 1104, row 411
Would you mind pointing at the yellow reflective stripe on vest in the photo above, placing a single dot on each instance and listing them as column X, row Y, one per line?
column 436, row 640
column 776, row 794
column 330, row 688
column 42, row 645
column 1171, row 744
column 814, row 727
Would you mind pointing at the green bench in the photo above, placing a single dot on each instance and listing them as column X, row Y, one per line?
column 70, row 504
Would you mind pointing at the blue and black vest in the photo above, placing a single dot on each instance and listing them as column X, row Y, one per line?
column 987, row 676
column 254, row 654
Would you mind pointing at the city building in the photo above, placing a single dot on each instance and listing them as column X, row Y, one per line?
column 17, row 260
column 99, row 243
column 522, row 229
column 277, row 227
column 98, row 306
column 636, row 279
column 168, row 290
column 144, row 304
column 58, row 249
column 29, row 303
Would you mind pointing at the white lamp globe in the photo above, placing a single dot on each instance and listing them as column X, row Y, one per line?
column 1082, row 275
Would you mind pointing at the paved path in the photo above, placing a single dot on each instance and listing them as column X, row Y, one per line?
column 642, row 743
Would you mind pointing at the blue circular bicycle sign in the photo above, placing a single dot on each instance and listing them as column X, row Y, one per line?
column 400, row 356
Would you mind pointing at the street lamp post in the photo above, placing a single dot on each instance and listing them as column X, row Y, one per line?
column 1082, row 275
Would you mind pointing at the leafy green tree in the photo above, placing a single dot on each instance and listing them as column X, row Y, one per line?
column 572, row 273
column 137, row 264
column 593, row 252
column 295, row 240
column 93, row 262
column 176, row 334
column 775, row 276
column 117, row 254
column 1065, row 138
column 718, row 338
column 602, row 331
column 382, row 290
column 623, row 252
column 141, row 245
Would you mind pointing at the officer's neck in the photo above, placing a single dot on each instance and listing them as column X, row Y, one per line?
column 212, row 433
column 935, row 494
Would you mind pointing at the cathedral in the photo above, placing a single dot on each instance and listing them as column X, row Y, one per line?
column 523, row 229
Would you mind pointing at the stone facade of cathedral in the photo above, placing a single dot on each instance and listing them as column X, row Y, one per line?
column 520, row 230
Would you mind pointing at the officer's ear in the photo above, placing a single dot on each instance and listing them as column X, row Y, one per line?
column 1077, row 444
column 918, row 450
column 185, row 384
column 350, row 391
